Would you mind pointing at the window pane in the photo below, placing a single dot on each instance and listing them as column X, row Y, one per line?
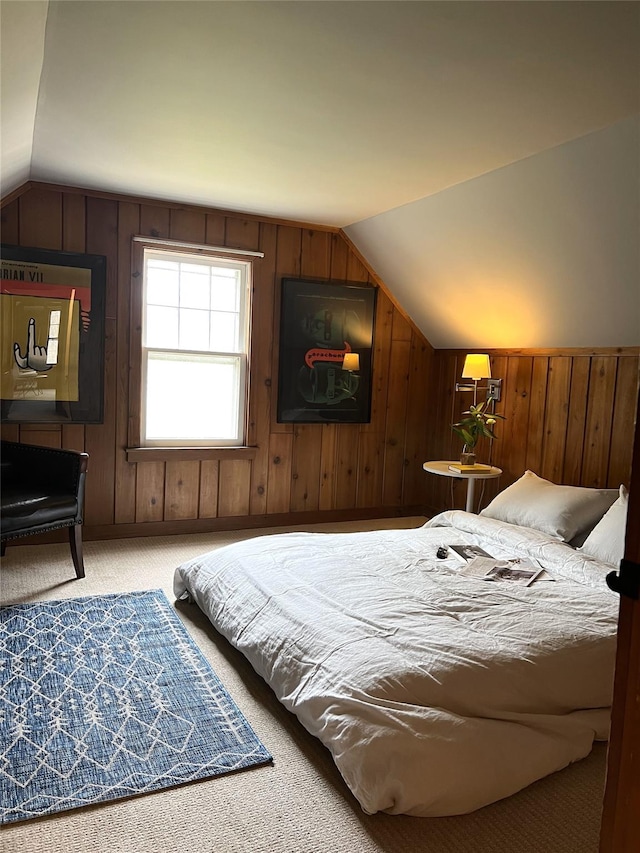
column 225, row 292
column 162, row 283
column 195, row 268
column 161, row 327
column 194, row 288
column 194, row 329
column 162, row 264
column 192, row 397
column 224, row 332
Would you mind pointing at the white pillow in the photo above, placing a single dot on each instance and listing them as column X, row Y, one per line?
column 560, row 511
column 606, row 540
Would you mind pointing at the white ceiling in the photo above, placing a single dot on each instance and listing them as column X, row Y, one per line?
column 323, row 112
column 327, row 112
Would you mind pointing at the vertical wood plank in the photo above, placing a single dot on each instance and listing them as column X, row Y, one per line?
column 556, row 419
column 154, row 221
column 401, row 330
column 41, row 219
column 280, row 449
column 535, row 427
column 100, row 439
column 339, row 256
column 10, row 221
column 602, row 383
column 187, row 225
column 579, row 394
column 624, row 407
column 420, row 392
column 356, row 270
column 315, row 254
column 242, row 233
column 380, row 364
column 100, row 445
column 181, row 490
column 262, row 362
column 288, row 252
column 73, row 240
column 208, row 502
column 305, row 467
column 395, row 426
column 125, row 472
column 443, row 408
column 346, row 475
column 370, row 469
column 149, row 491
column 215, row 229
column 328, row 466
column 73, row 437
column 234, row 481
column 73, row 222
column 511, row 449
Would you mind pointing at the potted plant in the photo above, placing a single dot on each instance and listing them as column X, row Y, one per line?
column 478, row 421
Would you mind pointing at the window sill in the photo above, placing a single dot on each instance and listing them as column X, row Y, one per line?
column 171, row 454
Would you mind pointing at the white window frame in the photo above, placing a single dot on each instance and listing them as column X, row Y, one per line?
column 205, row 257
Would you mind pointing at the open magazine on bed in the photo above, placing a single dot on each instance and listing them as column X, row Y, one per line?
column 480, row 564
column 518, row 571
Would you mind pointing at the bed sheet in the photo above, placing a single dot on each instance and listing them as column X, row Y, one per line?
column 436, row 693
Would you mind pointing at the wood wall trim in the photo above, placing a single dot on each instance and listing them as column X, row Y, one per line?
column 184, row 454
column 177, row 205
column 92, row 533
column 561, row 352
column 12, row 196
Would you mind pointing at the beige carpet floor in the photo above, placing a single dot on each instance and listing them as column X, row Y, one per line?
column 298, row 805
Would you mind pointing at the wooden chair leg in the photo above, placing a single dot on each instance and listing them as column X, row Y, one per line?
column 75, row 540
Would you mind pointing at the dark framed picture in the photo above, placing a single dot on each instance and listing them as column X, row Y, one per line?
column 326, row 339
column 52, row 309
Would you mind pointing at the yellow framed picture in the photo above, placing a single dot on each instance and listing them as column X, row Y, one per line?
column 52, row 316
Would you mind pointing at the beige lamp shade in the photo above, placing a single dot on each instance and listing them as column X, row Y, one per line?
column 351, row 361
column 476, row 366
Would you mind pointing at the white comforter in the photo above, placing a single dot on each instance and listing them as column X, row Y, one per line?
column 436, row 693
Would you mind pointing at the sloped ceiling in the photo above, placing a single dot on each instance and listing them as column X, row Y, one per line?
column 21, row 24
column 328, row 112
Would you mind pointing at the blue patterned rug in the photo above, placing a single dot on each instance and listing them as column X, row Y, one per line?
column 105, row 697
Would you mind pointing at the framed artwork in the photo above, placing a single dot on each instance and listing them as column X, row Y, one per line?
column 321, row 322
column 52, row 310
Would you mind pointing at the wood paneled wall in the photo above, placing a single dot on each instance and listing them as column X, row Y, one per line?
column 569, row 414
column 298, row 472
column 569, row 418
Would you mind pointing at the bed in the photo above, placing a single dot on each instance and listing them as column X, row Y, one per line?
column 435, row 692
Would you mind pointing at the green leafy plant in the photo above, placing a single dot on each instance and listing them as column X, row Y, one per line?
column 478, row 421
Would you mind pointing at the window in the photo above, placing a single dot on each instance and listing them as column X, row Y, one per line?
column 195, row 312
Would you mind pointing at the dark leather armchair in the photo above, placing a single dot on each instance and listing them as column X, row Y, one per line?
column 42, row 489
